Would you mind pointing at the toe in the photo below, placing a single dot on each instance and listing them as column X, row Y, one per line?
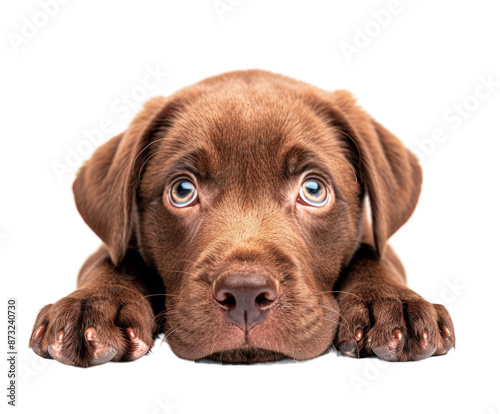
column 101, row 353
column 387, row 337
column 351, row 348
column 423, row 332
column 55, row 350
column 137, row 347
column 448, row 340
column 425, row 347
column 446, row 330
column 391, row 349
column 37, row 340
column 355, row 320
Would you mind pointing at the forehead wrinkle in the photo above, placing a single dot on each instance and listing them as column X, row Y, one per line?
column 195, row 161
column 297, row 159
column 177, row 154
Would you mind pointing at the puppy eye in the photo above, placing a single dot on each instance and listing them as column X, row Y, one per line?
column 182, row 193
column 313, row 192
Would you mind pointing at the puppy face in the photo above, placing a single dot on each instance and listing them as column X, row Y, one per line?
column 245, row 193
column 249, row 216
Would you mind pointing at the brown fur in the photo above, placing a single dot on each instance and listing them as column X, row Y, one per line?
column 246, row 137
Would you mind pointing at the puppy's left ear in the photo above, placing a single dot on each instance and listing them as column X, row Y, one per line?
column 105, row 187
column 389, row 172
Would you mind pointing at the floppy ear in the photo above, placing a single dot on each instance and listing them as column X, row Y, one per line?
column 105, row 187
column 389, row 172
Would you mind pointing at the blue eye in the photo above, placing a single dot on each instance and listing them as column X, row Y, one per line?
column 183, row 193
column 313, row 193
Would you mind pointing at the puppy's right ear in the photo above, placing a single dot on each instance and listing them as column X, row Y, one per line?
column 389, row 173
column 105, row 188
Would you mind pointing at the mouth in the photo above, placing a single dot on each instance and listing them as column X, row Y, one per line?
column 246, row 355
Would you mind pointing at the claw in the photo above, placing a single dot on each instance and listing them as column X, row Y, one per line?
column 39, row 332
column 359, row 334
column 397, row 335
column 445, row 332
column 90, row 334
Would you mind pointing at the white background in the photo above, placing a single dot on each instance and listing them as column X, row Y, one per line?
column 65, row 78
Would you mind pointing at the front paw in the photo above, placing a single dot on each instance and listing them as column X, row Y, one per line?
column 395, row 324
column 93, row 326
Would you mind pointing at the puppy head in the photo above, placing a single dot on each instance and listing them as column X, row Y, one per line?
column 246, row 193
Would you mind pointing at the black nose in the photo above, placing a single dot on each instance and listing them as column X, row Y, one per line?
column 246, row 298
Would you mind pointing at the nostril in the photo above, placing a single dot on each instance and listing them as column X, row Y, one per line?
column 265, row 298
column 226, row 299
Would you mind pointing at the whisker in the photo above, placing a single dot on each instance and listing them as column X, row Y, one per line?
column 154, row 294
column 170, row 333
column 342, row 291
column 147, row 159
column 164, row 313
column 333, row 310
column 185, row 260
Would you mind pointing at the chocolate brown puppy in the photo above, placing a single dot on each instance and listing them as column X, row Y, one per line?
column 234, row 219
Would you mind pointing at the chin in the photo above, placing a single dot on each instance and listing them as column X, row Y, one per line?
column 247, row 355
column 238, row 349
